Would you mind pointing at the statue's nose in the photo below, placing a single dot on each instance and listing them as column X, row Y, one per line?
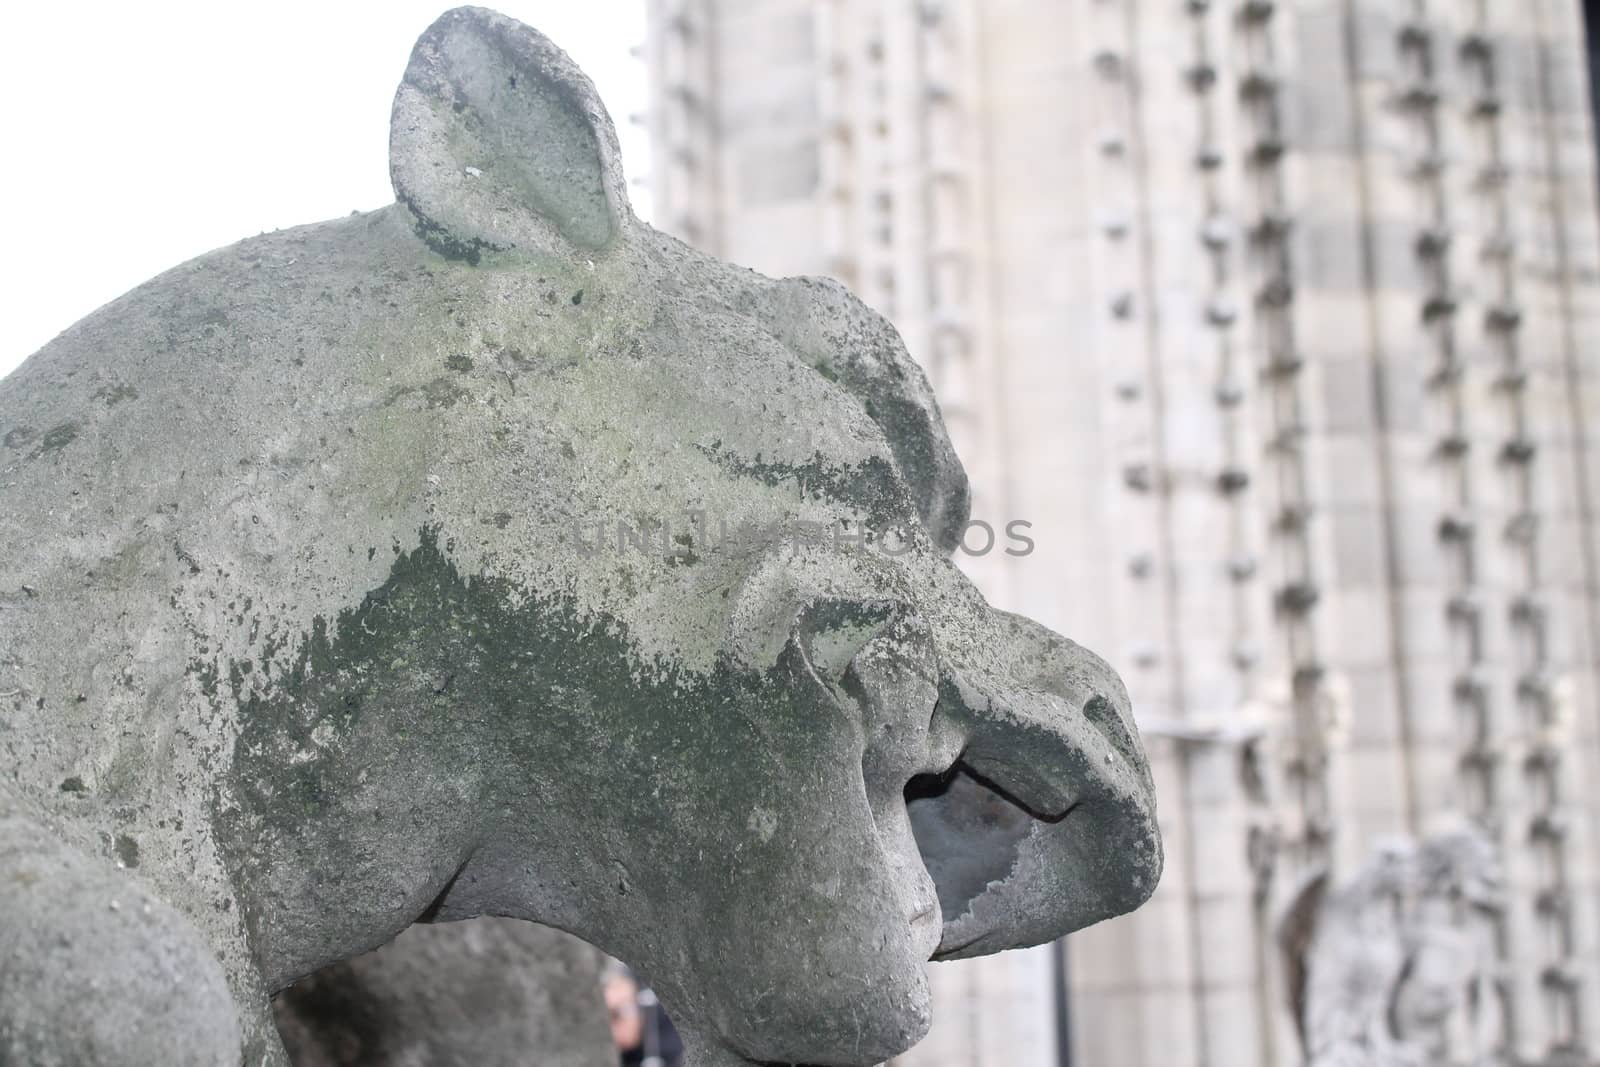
column 1046, row 824
column 1009, row 752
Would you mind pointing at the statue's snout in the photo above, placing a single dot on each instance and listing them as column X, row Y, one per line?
column 1046, row 823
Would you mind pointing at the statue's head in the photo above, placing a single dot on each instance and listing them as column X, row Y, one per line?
column 685, row 601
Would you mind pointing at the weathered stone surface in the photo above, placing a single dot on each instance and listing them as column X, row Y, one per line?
column 481, row 993
column 494, row 554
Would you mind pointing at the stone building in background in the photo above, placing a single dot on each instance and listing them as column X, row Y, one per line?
column 1280, row 323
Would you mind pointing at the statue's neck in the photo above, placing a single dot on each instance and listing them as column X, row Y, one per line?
column 307, row 908
column 335, row 855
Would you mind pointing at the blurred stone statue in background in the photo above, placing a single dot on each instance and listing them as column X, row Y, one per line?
column 1395, row 967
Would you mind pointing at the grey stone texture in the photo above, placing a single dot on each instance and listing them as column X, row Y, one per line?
column 492, row 554
column 480, row 993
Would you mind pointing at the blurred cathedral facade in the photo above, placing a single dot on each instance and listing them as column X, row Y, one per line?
column 1279, row 320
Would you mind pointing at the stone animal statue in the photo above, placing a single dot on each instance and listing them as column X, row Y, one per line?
column 493, row 554
column 1395, row 968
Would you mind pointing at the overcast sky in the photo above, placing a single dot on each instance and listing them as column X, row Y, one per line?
column 139, row 135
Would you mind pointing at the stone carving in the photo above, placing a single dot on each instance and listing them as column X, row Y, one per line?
column 494, row 554
column 1396, row 968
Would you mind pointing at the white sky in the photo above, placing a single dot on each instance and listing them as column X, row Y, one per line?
column 139, row 135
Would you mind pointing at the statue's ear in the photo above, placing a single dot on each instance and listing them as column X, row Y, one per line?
column 499, row 143
column 829, row 633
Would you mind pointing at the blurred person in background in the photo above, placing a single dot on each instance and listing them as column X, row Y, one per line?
column 640, row 1029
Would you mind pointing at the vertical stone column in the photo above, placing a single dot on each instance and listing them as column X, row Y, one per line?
column 1284, row 350
column 1573, row 571
column 962, row 354
column 1136, row 982
column 680, row 56
column 839, row 103
column 1200, row 78
column 1467, row 385
column 1382, row 493
column 1533, row 104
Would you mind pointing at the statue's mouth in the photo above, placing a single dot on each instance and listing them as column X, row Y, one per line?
column 969, row 831
column 1042, row 826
